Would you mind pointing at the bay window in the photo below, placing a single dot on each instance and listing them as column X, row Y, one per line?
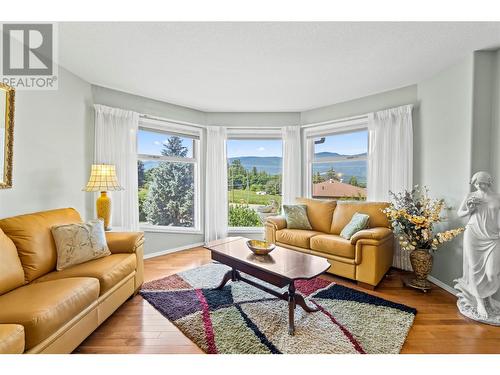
column 168, row 176
column 254, row 179
column 337, row 161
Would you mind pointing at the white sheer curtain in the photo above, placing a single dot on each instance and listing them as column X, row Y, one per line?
column 216, row 184
column 390, row 164
column 292, row 161
column 115, row 143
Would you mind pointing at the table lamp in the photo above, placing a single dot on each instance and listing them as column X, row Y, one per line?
column 103, row 179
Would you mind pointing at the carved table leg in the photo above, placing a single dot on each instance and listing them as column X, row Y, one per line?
column 230, row 275
column 299, row 300
column 235, row 275
column 291, row 309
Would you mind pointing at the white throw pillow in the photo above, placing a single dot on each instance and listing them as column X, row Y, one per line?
column 79, row 243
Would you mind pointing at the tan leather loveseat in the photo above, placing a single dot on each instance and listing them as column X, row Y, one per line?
column 47, row 311
column 366, row 257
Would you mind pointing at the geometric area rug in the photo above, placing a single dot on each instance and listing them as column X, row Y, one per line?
column 241, row 319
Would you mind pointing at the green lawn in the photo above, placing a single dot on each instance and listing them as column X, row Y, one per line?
column 250, row 197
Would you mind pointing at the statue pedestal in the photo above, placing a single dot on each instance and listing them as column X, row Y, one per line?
column 470, row 311
column 466, row 304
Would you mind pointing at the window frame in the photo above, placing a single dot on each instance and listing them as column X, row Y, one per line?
column 339, row 127
column 250, row 134
column 184, row 131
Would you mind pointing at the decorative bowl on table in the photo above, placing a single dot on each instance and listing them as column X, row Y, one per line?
column 259, row 247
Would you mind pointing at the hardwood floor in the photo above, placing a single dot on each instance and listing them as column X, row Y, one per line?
column 136, row 327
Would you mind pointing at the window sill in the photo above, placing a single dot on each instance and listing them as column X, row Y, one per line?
column 178, row 230
column 245, row 230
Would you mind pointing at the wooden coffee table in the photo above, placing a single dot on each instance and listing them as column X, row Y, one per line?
column 282, row 267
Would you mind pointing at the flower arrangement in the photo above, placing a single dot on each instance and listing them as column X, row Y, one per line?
column 412, row 215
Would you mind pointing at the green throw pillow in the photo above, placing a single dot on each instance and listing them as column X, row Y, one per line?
column 296, row 216
column 357, row 223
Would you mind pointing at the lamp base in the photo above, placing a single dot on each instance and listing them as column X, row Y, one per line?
column 103, row 208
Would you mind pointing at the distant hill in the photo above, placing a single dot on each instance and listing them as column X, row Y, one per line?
column 321, row 155
column 272, row 165
column 326, row 154
column 269, row 164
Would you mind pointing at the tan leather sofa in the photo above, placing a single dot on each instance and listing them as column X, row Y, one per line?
column 366, row 257
column 47, row 311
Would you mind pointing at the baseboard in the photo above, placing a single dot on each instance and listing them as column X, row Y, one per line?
column 442, row 285
column 175, row 249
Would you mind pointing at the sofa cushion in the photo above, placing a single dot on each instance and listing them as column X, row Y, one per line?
column 357, row 223
column 11, row 270
column 80, row 242
column 109, row 270
column 32, row 236
column 333, row 245
column 295, row 237
column 11, row 339
column 346, row 209
column 319, row 212
column 296, row 216
column 43, row 308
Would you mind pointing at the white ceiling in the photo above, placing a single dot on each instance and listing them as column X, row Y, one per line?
column 265, row 67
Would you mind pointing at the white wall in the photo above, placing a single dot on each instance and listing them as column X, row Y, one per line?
column 495, row 117
column 140, row 104
column 251, row 119
column 52, row 148
column 361, row 106
column 482, row 109
column 444, row 150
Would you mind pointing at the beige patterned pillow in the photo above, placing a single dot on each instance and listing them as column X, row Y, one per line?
column 296, row 216
column 79, row 243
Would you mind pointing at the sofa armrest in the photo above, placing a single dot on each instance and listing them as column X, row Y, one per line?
column 271, row 225
column 278, row 222
column 124, row 242
column 11, row 339
column 378, row 234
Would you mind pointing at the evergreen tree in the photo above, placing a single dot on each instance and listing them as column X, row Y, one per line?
column 171, row 190
column 353, row 181
column 141, row 177
column 332, row 175
column 317, row 178
column 238, row 174
column 174, row 147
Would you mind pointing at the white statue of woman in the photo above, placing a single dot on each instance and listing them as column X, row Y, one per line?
column 481, row 271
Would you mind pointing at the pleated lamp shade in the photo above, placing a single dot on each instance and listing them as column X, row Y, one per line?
column 103, row 178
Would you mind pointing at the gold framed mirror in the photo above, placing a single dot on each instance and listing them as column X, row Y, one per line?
column 7, row 95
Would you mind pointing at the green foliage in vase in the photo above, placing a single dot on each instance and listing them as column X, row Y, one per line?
column 413, row 214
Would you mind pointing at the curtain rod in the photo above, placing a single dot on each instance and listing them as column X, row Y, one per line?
column 243, row 127
column 359, row 117
column 162, row 119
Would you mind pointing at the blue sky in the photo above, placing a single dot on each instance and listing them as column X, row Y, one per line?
column 345, row 144
column 237, row 148
column 152, row 143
